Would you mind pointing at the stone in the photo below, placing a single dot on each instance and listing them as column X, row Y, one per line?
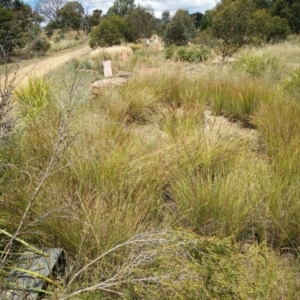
column 124, row 74
column 100, row 85
column 26, row 285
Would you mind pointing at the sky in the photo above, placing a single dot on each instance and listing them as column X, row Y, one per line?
column 158, row 5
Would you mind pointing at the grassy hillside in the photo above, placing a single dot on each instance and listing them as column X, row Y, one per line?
column 181, row 184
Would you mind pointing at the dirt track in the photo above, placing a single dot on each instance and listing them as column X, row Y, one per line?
column 44, row 66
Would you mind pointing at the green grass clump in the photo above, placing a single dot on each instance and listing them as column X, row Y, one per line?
column 264, row 66
column 291, row 85
column 279, row 128
column 34, row 97
column 236, row 98
column 204, row 189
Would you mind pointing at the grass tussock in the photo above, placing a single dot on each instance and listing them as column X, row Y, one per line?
column 154, row 189
column 291, row 85
column 237, row 98
column 33, row 97
column 264, row 66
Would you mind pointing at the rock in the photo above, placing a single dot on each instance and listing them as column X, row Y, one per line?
column 28, row 278
column 100, row 85
column 124, row 74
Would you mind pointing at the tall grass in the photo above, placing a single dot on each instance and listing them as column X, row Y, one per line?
column 264, row 66
column 151, row 200
column 291, row 84
column 61, row 44
column 33, row 97
column 236, row 98
column 279, row 127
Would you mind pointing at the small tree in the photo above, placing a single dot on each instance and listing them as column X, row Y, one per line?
column 142, row 21
column 50, row 27
column 94, row 19
column 48, row 8
column 122, row 8
column 266, row 28
column 17, row 22
column 288, row 9
column 229, row 24
column 109, row 32
column 161, row 24
column 180, row 30
column 238, row 23
column 71, row 15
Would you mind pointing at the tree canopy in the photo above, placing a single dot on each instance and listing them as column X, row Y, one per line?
column 142, row 21
column 108, row 32
column 19, row 26
column 180, row 30
column 122, row 8
column 238, row 23
column 49, row 8
column 71, row 15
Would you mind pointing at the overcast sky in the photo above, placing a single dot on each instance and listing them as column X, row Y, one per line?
column 158, row 5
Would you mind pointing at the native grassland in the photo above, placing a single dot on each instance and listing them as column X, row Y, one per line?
column 181, row 184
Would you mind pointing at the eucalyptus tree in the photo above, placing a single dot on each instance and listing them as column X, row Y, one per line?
column 48, row 8
column 122, row 8
column 180, row 30
column 19, row 26
column 142, row 21
column 238, row 23
column 72, row 15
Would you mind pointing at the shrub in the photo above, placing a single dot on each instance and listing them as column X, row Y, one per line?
column 180, row 53
column 109, row 32
column 57, row 39
column 190, row 54
column 136, row 47
column 180, row 30
column 169, row 51
column 39, row 46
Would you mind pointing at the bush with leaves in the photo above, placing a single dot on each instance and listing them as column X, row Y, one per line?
column 191, row 54
column 71, row 15
column 17, row 21
column 238, row 23
column 50, row 28
column 39, row 46
column 109, row 32
column 180, row 30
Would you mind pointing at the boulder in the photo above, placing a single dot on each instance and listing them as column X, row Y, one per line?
column 100, row 85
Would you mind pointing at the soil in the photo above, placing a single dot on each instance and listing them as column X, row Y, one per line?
column 42, row 67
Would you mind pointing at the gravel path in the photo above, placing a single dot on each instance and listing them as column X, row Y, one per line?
column 44, row 66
